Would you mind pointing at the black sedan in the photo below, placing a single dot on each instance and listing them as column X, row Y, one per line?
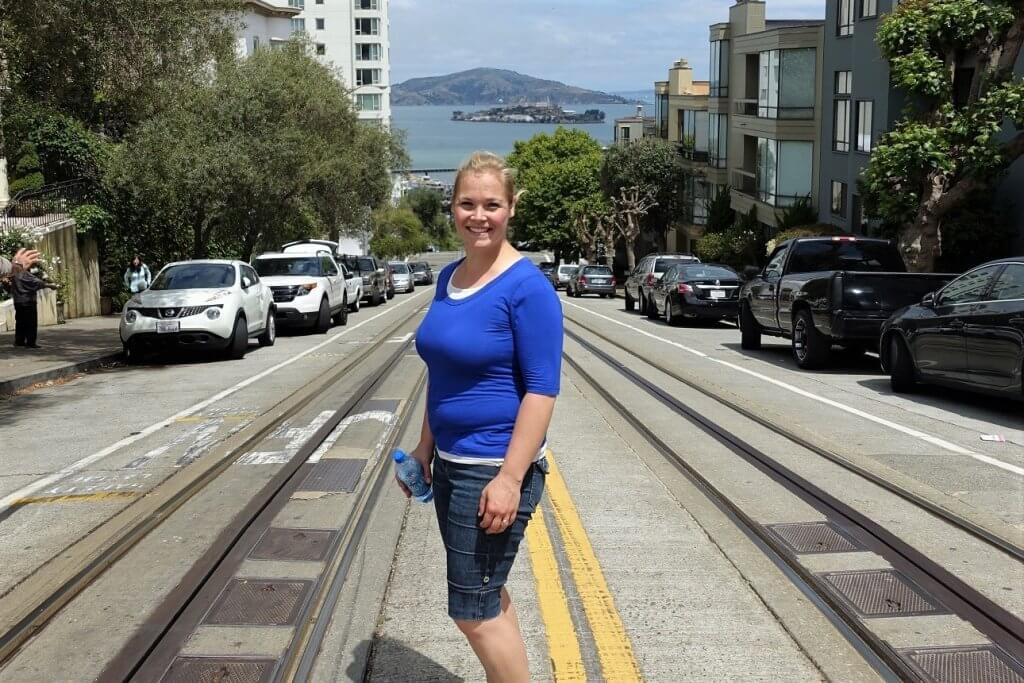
column 969, row 334
column 695, row 290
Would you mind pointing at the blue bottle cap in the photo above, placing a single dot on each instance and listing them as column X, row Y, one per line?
column 399, row 455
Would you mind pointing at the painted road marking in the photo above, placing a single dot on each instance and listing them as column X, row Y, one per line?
column 30, row 489
column 100, row 496
column 399, row 340
column 299, row 436
column 614, row 649
column 563, row 644
column 928, row 438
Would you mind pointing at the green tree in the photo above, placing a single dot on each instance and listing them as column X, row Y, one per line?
column 397, row 233
column 952, row 147
column 721, row 215
column 428, row 205
column 554, row 172
column 655, row 166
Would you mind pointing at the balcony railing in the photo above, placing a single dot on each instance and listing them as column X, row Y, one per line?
column 35, row 209
column 746, row 107
column 744, row 182
column 750, row 107
column 693, row 154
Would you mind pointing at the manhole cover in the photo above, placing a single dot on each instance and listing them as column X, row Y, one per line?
column 219, row 670
column 292, row 544
column 974, row 664
column 251, row 602
column 334, row 476
column 880, row 593
column 814, row 537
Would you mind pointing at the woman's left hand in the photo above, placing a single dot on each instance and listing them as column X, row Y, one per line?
column 499, row 504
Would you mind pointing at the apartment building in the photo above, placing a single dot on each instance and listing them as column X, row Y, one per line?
column 351, row 36
column 629, row 129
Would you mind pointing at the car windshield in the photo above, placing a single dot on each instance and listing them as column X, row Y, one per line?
column 303, row 265
column 663, row 264
column 419, row 267
column 567, row 270
column 707, row 272
column 811, row 257
column 400, row 268
column 546, row 267
column 195, row 276
column 361, row 264
column 597, row 270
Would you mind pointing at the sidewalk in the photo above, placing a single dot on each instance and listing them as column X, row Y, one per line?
column 81, row 344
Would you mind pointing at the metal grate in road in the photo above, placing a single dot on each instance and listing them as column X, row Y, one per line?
column 334, row 476
column 814, row 537
column 219, row 669
column 880, row 593
column 292, row 544
column 974, row 664
column 252, row 602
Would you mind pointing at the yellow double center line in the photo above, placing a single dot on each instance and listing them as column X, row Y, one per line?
column 614, row 650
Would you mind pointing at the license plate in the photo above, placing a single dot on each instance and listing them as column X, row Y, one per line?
column 717, row 294
column 600, row 281
column 167, row 326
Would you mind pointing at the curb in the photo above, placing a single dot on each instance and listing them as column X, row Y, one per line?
column 11, row 386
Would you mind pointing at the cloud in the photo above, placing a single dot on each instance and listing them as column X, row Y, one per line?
column 601, row 44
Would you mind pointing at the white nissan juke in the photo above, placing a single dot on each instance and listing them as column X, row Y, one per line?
column 215, row 305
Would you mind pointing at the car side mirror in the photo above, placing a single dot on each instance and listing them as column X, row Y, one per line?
column 246, row 283
column 750, row 272
column 928, row 300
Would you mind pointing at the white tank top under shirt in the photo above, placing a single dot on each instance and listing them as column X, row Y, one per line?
column 457, row 293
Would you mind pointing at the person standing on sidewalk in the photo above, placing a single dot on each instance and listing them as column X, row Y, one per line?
column 137, row 277
column 24, row 286
column 492, row 343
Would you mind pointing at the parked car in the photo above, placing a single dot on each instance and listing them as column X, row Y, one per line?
column 823, row 291
column 969, row 334
column 640, row 282
column 695, row 290
column 309, row 246
column 548, row 268
column 592, row 280
column 202, row 305
column 373, row 274
column 402, row 275
column 310, row 290
column 390, row 293
column 421, row 273
column 560, row 276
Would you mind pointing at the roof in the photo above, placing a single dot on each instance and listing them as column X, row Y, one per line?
column 266, row 9
column 294, row 254
column 783, row 23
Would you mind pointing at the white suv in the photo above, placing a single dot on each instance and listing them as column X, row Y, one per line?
column 200, row 305
column 309, row 289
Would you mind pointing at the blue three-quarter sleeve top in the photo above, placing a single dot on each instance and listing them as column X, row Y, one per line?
column 484, row 353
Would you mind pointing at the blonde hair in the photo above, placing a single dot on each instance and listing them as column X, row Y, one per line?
column 488, row 162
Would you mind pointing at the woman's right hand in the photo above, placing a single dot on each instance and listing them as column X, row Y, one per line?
column 424, row 455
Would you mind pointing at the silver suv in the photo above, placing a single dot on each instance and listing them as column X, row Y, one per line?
column 641, row 281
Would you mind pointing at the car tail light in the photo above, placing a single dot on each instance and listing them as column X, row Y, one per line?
column 684, row 288
column 613, row 282
column 844, row 239
column 650, row 279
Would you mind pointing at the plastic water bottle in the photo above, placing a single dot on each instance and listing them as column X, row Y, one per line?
column 410, row 472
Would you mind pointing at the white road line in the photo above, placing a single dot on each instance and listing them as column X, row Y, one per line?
column 933, row 440
column 12, row 498
column 399, row 340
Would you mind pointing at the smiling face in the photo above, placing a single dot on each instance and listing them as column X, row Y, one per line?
column 482, row 209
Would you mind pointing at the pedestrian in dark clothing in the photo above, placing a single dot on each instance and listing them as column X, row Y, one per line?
column 24, row 287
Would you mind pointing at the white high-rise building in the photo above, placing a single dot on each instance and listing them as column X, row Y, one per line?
column 353, row 36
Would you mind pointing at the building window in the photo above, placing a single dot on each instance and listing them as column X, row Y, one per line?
column 368, row 102
column 321, row 49
column 719, row 86
column 693, row 132
column 718, row 140
column 841, row 126
column 786, row 84
column 367, row 76
column 368, row 52
column 661, row 114
column 301, row 4
column 844, row 20
column 844, row 82
column 839, row 199
column 868, row 8
column 298, row 25
column 367, row 4
column 319, row 2
column 367, row 26
column 319, row 24
column 865, row 122
column 624, row 133
column 255, row 43
column 784, row 170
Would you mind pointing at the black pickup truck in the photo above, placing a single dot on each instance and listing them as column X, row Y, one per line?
column 826, row 291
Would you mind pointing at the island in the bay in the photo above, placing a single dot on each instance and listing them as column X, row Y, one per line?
column 530, row 113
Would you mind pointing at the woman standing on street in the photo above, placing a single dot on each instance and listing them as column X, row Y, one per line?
column 137, row 277
column 492, row 343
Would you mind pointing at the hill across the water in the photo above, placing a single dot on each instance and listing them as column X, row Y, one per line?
column 493, row 86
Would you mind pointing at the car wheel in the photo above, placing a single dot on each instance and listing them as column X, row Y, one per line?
column 239, row 339
column 269, row 335
column 630, row 304
column 354, row 306
column 377, row 299
column 323, row 318
column 131, row 353
column 902, row 377
column 670, row 318
column 750, row 330
column 390, row 294
column 811, row 349
column 651, row 309
column 341, row 317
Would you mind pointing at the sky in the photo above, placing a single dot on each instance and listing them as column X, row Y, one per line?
column 610, row 45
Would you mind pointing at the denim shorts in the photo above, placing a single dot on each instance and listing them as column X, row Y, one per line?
column 478, row 562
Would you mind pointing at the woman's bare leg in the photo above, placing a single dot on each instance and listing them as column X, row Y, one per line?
column 498, row 644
